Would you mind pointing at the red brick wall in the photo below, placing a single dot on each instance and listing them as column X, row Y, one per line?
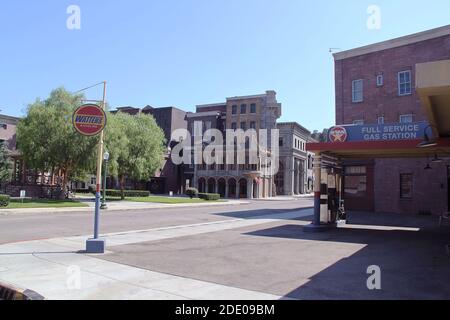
column 384, row 101
column 429, row 186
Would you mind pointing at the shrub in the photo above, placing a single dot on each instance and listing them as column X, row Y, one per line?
column 83, row 191
column 209, row 196
column 127, row 193
column 192, row 192
column 4, row 200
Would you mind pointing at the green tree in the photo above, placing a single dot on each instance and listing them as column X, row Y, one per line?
column 136, row 145
column 49, row 143
column 5, row 164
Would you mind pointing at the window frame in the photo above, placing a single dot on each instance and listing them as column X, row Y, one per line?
column 406, row 115
column 252, row 108
column 408, row 196
column 244, row 108
column 380, row 83
column 354, row 91
column 234, row 109
column 400, row 83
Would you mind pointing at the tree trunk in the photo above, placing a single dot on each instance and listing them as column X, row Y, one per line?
column 122, row 187
column 65, row 174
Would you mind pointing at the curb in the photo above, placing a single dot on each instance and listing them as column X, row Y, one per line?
column 12, row 293
column 118, row 208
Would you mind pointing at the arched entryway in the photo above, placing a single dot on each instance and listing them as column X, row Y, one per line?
column 232, row 188
column 279, row 180
column 211, row 185
column 222, row 186
column 255, row 188
column 202, row 185
column 243, row 188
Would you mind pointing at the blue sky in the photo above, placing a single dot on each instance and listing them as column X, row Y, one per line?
column 190, row 52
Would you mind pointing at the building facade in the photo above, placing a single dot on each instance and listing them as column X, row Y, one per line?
column 376, row 84
column 170, row 177
column 294, row 175
column 237, row 180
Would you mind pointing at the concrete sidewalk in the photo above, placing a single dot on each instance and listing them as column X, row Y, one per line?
column 56, row 269
column 287, row 198
column 122, row 206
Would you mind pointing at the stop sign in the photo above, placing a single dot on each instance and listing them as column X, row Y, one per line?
column 89, row 119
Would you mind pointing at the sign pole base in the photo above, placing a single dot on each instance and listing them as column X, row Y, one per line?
column 95, row 246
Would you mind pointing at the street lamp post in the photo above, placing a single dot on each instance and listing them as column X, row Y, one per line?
column 106, row 158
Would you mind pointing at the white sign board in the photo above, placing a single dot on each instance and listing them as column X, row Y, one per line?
column 23, row 194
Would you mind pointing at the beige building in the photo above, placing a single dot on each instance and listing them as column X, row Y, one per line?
column 244, row 112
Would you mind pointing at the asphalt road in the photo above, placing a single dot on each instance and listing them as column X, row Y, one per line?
column 37, row 226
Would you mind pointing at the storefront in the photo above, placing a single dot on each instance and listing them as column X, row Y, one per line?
column 389, row 167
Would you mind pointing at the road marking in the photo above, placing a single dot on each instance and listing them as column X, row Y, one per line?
column 139, row 236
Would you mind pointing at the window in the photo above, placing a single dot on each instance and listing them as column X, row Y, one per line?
column 357, row 90
column 243, row 125
column 356, row 170
column 234, row 126
column 253, row 108
column 252, row 125
column 406, row 186
column 404, row 83
column 243, row 108
column 380, row 80
column 358, row 122
column 406, row 118
column 355, row 181
column 234, row 109
column 281, row 142
column 380, row 120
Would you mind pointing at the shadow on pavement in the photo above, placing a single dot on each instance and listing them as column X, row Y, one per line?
column 414, row 263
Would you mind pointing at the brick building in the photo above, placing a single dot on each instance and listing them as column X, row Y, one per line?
column 376, row 85
column 171, row 177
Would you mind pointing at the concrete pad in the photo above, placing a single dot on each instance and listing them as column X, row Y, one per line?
column 50, row 275
column 278, row 258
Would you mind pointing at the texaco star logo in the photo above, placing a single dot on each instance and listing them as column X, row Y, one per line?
column 338, row 134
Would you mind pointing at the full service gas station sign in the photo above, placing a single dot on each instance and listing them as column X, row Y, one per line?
column 381, row 132
column 89, row 120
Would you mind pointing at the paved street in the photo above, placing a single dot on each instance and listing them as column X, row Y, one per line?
column 42, row 225
column 252, row 251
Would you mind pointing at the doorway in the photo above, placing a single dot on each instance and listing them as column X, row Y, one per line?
column 448, row 187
